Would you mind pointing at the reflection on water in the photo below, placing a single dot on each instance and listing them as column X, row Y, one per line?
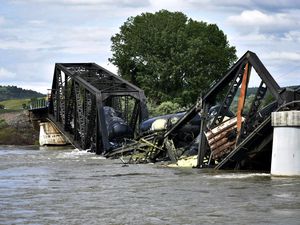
column 66, row 186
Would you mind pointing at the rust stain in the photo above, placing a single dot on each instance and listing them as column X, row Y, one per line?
column 241, row 101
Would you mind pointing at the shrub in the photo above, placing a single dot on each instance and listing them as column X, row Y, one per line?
column 164, row 108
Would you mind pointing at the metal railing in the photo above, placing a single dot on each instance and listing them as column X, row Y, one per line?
column 38, row 104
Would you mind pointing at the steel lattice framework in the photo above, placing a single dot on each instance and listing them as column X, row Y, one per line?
column 255, row 133
column 79, row 93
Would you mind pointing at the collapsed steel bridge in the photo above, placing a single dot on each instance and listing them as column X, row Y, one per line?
column 80, row 92
column 247, row 144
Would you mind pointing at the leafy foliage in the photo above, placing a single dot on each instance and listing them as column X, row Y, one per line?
column 171, row 57
column 164, row 108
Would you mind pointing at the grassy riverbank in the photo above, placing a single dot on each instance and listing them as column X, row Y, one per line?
column 15, row 104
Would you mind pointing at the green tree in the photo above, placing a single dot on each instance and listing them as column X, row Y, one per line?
column 164, row 108
column 171, row 57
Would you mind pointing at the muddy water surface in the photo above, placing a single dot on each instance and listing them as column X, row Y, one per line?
column 66, row 186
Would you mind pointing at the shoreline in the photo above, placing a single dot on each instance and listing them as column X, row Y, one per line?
column 16, row 129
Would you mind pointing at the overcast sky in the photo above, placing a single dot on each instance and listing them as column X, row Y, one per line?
column 34, row 34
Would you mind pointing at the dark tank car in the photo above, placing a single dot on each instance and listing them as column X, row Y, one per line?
column 116, row 127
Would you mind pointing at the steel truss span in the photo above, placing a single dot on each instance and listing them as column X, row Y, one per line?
column 85, row 96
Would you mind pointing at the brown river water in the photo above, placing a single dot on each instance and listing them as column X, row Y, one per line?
column 67, row 186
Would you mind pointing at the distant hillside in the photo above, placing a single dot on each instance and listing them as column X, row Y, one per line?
column 14, row 92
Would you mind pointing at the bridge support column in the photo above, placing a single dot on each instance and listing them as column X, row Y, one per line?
column 286, row 143
column 49, row 135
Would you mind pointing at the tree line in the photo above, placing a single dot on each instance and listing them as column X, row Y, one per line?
column 14, row 92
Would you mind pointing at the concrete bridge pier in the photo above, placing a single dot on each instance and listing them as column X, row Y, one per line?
column 286, row 143
column 50, row 135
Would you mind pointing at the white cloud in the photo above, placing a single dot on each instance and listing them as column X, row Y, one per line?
column 20, row 45
column 267, row 5
column 292, row 36
column 75, row 40
column 83, row 40
column 177, row 5
column 43, row 71
column 278, row 5
column 6, row 74
column 283, row 56
column 41, row 87
column 103, row 3
column 257, row 21
column 251, row 37
column 109, row 66
column 237, row 5
column 288, row 76
column 36, row 22
column 80, row 31
column 215, row 4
